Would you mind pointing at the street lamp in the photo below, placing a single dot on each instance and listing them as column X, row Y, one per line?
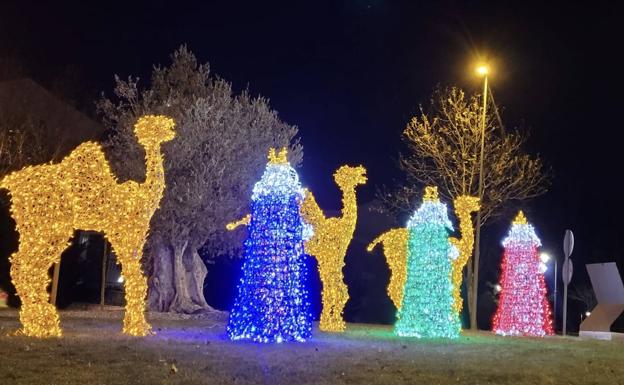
column 544, row 258
column 482, row 70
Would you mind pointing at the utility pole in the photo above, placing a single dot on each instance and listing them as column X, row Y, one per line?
column 483, row 71
column 566, row 273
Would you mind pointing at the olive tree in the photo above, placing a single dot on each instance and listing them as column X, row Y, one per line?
column 220, row 149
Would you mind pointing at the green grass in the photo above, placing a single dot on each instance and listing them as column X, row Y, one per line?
column 93, row 351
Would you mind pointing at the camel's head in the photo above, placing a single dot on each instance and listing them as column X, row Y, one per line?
column 152, row 130
column 467, row 203
column 349, row 176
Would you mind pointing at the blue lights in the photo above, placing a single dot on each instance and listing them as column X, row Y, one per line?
column 272, row 303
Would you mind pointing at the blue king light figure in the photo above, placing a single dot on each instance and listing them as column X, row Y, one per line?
column 272, row 303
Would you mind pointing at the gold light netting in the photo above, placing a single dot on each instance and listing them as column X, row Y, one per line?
column 329, row 244
column 464, row 207
column 50, row 201
column 394, row 242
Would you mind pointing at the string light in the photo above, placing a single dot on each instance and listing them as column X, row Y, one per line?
column 3, row 299
column 49, row 202
column 464, row 206
column 330, row 242
column 523, row 308
column 272, row 303
column 395, row 248
column 427, row 308
column 394, row 242
column 243, row 221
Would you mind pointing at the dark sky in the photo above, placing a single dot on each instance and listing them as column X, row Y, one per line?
column 351, row 73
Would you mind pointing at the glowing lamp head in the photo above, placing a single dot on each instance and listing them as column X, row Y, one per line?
column 544, row 257
column 483, row 70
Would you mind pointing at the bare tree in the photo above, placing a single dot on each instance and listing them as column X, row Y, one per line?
column 585, row 295
column 22, row 143
column 219, row 152
column 443, row 146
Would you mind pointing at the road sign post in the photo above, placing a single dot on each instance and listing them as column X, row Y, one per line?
column 566, row 273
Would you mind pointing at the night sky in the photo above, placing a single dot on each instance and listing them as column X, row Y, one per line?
column 350, row 74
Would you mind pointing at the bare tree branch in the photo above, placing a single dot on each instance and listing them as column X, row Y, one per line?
column 443, row 145
column 23, row 143
column 585, row 295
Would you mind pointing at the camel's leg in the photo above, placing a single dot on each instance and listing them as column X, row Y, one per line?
column 327, row 298
column 341, row 301
column 29, row 272
column 335, row 297
column 135, row 285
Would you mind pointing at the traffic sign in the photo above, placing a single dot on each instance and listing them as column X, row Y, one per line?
column 566, row 273
column 568, row 243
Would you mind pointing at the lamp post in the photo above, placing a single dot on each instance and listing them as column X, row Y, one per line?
column 482, row 70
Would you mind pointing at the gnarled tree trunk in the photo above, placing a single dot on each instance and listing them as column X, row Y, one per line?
column 177, row 279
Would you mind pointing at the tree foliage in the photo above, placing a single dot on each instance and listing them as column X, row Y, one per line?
column 443, row 146
column 585, row 295
column 219, row 152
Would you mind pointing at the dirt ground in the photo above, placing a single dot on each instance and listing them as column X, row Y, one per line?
column 195, row 350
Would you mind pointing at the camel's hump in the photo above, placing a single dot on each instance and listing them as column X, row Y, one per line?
column 87, row 152
column 88, row 157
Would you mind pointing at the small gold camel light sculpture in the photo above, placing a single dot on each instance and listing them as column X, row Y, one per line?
column 50, row 201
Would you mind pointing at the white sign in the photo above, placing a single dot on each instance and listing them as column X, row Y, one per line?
column 568, row 243
column 607, row 283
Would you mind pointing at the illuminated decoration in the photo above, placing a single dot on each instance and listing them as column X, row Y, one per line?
column 3, row 299
column 523, row 308
column 395, row 242
column 464, row 206
column 330, row 242
column 427, row 308
column 51, row 201
column 243, row 221
column 272, row 303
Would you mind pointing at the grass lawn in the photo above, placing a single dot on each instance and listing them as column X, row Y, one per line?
column 196, row 351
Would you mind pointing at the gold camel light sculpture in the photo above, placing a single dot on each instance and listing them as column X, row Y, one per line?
column 329, row 244
column 50, row 201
